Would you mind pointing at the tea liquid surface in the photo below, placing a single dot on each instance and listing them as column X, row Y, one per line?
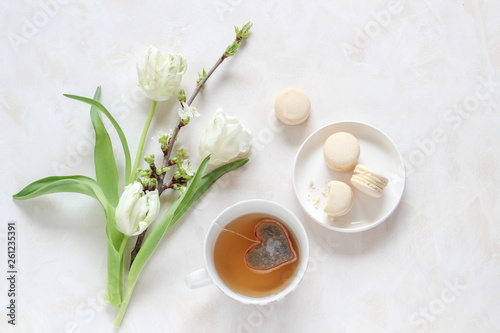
column 229, row 260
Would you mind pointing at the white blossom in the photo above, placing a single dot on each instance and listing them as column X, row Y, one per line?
column 186, row 166
column 187, row 112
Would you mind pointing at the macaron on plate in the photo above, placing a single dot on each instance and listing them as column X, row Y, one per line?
column 311, row 175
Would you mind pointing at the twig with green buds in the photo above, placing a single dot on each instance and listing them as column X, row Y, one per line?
column 203, row 77
column 168, row 141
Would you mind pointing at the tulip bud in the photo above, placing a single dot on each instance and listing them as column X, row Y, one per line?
column 136, row 210
column 225, row 138
column 160, row 75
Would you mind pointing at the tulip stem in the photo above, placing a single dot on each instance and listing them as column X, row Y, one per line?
column 141, row 143
column 122, row 263
column 123, row 244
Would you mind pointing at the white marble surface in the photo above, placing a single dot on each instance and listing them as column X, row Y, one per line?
column 425, row 72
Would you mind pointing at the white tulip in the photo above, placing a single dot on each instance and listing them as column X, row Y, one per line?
column 136, row 210
column 225, row 138
column 160, row 75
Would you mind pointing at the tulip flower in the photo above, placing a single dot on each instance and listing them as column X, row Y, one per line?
column 136, row 210
column 225, row 138
column 160, row 75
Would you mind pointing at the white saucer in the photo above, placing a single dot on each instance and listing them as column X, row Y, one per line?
column 377, row 151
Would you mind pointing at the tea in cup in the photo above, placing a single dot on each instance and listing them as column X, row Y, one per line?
column 271, row 236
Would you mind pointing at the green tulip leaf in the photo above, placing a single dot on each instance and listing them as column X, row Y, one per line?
column 208, row 180
column 107, row 176
column 57, row 184
column 87, row 186
column 116, row 242
column 104, row 159
column 117, row 127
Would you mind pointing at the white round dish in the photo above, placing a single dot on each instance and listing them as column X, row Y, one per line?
column 311, row 176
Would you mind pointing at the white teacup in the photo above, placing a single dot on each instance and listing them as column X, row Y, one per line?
column 208, row 275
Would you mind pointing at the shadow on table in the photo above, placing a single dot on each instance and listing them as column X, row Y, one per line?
column 296, row 134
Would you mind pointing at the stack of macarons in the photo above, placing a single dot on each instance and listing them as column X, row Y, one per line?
column 341, row 152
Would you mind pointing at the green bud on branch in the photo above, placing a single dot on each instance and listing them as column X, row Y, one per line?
column 182, row 154
column 163, row 140
column 201, row 76
column 150, row 159
column 243, row 33
column 145, row 173
column 232, row 49
column 182, row 96
column 240, row 35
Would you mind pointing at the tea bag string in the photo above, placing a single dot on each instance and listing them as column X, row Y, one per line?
column 236, row 233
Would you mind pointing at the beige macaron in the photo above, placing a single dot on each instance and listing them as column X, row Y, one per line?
column 341, row 151
column 369, row 181
column 292, row 106
column 340, row 198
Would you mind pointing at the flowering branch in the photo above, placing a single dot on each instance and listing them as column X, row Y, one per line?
column 162, row 185
column 230, row 51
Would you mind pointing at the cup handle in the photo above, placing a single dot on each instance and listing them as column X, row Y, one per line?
column 197, row 279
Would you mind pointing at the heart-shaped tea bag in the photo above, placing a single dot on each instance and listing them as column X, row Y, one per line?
column 273, row 250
